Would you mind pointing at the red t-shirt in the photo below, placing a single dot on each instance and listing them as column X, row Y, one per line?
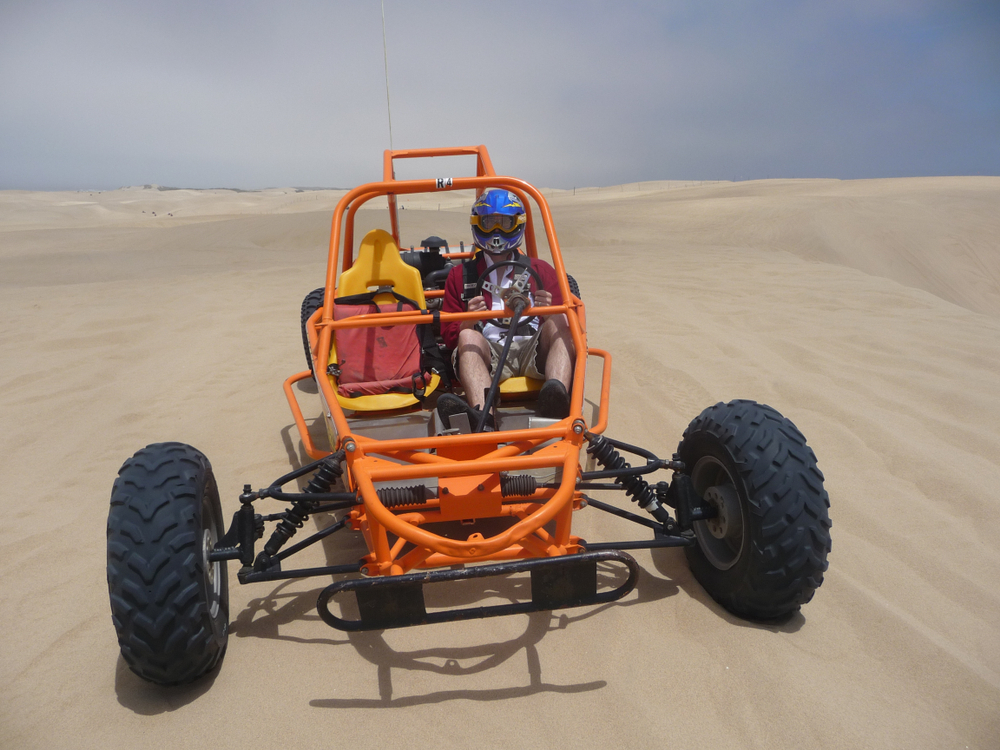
column 453, row 289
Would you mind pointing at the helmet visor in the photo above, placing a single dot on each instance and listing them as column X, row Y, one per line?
column 503, row 222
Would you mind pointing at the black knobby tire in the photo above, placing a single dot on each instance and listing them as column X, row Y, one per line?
column 312, row 303
column 169, row 604
column 764, row 555
column 574, row 288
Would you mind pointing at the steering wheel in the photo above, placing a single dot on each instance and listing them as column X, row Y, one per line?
column 521, row 264
column 491, row 394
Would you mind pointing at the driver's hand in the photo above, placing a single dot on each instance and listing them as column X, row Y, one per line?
column 543, row 298
column 476, row 304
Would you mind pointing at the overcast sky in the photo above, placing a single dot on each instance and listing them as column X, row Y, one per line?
column 103, row 94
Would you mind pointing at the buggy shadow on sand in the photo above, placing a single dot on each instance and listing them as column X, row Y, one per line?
column 440, row 503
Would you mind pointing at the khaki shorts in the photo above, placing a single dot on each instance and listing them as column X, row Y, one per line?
column 521, row 359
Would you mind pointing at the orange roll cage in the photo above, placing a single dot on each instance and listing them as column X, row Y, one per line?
column 467, row 467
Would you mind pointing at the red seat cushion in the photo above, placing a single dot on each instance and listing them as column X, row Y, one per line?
column 377, row 359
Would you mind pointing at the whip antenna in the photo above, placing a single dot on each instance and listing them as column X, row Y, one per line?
column 385, row 59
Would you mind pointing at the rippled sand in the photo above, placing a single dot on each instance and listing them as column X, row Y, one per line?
column 868, row 312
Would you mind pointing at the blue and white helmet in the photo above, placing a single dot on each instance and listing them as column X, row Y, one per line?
column 498, row 221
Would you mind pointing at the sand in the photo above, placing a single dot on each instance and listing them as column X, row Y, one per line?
column 868, row 312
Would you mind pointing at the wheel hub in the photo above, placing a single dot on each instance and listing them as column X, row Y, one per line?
column 720, row 537
column 212, row 574
column 728, row 520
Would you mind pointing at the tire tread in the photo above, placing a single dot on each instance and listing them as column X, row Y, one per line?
column 312, row 302
column 164, row 628
column 791, row 539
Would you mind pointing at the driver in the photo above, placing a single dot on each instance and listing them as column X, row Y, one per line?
column 539, row 350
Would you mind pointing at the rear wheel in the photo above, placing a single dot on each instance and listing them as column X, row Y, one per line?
column 574, row 288
column 169, row 603
column 312, row 303
column 764, row 553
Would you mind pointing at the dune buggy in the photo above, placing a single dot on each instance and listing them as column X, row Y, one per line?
column 439, row 502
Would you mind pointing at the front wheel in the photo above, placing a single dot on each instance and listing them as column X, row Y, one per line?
column 764, row 553
column 169, row 602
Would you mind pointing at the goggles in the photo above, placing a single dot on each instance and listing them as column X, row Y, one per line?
column 504, row 222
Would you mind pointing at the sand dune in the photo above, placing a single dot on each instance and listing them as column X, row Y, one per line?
column 867, row 311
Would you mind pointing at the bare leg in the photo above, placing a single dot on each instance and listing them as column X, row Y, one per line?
column 557, row 350
column 474, row 365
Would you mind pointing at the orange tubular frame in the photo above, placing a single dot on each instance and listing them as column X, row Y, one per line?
column 467, row 466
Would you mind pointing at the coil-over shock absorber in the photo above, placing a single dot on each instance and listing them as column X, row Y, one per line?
column 294, row 518
column 637, row 488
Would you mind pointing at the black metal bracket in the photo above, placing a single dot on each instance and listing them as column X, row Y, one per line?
column 238, row 541
column 556, row 583
column 682, row 496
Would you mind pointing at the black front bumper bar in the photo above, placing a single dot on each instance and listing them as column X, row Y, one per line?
column 556, row 583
